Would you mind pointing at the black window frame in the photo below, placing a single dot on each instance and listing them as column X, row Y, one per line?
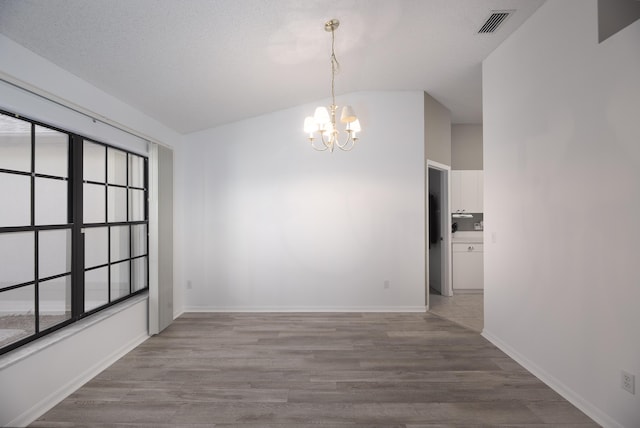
column 75, row 223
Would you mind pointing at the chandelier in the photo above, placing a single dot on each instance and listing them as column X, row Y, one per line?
column 322, row 125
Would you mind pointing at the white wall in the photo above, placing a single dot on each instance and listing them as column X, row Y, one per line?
column 562, row 201
column 466, row 146
column 33, row 385
column 274, row 225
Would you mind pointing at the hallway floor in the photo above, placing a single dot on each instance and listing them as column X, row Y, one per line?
column 464, row 308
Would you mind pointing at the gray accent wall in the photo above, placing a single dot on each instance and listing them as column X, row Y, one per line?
column 165, row 236
column 161, row 239
column 437, row 131
column 614, row 15
column 466, row 147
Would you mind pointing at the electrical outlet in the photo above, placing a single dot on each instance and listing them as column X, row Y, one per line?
column 628, row 382
column 387, row 284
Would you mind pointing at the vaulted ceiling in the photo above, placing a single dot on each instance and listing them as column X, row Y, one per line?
column 197, row 64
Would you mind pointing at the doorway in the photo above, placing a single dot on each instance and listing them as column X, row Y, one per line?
column 438, row 278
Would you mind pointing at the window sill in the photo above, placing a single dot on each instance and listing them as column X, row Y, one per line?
column 36, row 346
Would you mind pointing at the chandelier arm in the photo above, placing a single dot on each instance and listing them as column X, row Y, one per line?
column 349, row 143
column 345, row 141
column 348, row 149
column 325, row 144
column 317, row 149
column 328, row 144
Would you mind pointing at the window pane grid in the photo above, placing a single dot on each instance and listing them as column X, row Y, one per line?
column 54, row 302
column 17, row 258
column 50, row 196
column 124, row 209
column 41, row 296
column 18, row 319
column 15, row 144
column 51, row 150
column 49, row 278
column 17, row 189
column 12, row 171
column 34, row 228
column 50, row 177
column 13, row 287
column 97, row 267
column 120, row 186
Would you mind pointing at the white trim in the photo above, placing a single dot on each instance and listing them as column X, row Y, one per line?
column 570, row 395
column 70, row 105
column 276, row 309
column 30, row 106
column 64, row 391
column 438, row 165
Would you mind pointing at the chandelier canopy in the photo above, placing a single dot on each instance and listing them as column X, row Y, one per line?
column 322, row 125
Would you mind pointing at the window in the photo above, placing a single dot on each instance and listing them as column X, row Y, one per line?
column 73, row 228
column 114, row 224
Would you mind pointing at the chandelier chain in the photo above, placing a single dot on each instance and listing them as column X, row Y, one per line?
column 335, row 66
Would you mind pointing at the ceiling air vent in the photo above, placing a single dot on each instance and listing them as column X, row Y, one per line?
column 496, row 18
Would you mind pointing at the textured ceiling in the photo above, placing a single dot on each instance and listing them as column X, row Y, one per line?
column 197, row 64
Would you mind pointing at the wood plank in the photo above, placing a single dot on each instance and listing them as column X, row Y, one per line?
column 320, row 370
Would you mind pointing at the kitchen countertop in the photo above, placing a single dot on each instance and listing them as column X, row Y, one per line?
column 465, row 237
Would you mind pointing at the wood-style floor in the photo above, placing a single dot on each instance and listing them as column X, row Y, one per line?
column 315, row 370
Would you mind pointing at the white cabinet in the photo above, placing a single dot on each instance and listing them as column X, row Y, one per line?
column 456, row 191
column 467, row 191
column 468, row 271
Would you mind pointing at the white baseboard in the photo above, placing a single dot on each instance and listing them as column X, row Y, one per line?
column 567, row 393
column 468, row 291
column 288, row 309
column 64, row 391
